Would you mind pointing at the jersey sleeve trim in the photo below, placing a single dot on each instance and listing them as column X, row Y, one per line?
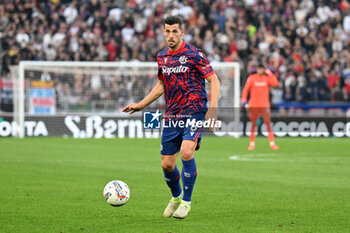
column 209, row 74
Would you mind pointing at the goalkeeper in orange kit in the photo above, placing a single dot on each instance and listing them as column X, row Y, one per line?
column 258, row 84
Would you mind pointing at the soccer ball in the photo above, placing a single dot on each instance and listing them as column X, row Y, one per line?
column 116, row 193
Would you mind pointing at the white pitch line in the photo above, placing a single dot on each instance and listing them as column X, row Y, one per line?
column 238, row 158
column 249, row 157
column 260, row 155
column 255, row 158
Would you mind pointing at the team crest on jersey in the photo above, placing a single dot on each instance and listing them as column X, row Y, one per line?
column 165, row 59
column 183, row 59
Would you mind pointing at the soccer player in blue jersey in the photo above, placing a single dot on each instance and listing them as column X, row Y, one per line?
column 182, row 71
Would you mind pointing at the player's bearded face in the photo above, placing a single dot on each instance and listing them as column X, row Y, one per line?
column 173, row 35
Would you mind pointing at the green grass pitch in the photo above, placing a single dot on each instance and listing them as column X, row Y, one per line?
column 56, row 185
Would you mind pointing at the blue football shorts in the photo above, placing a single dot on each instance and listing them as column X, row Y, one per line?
column 173, row 134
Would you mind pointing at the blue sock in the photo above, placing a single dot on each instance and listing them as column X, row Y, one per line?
column 188, row 176
column 173, row 180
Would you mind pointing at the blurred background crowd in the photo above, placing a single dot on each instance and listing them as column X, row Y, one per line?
column 306, row 43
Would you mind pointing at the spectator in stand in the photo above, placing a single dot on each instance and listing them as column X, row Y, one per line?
column 70, row 13
column 308, row 40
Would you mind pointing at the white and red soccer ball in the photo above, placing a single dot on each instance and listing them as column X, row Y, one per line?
column 116, row 193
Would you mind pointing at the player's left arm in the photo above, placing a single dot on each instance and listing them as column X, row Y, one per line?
column 206, row 71
column 214, row 98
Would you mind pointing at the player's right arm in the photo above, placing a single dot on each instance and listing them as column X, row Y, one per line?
column 246, row 90
column 156, row 92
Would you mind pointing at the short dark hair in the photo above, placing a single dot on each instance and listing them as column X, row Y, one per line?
column 261, row 64
column 174, row 19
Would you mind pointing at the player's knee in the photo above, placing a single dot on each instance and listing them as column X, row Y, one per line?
column 268, row 124
column 186, row 153
column 167, row 166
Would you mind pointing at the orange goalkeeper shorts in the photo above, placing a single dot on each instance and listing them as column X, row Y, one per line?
column 265, row 113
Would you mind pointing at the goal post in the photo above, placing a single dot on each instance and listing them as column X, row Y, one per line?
column 50, row 95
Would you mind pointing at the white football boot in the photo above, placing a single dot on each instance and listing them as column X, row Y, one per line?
column 172, row 207
column 182, row 211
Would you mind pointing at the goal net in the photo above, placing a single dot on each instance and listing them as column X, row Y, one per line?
column 85, row 99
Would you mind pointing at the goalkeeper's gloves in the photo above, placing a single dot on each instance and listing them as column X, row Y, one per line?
column 245, row 105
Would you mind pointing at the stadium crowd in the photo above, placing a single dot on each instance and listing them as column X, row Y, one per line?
column 305, row 42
